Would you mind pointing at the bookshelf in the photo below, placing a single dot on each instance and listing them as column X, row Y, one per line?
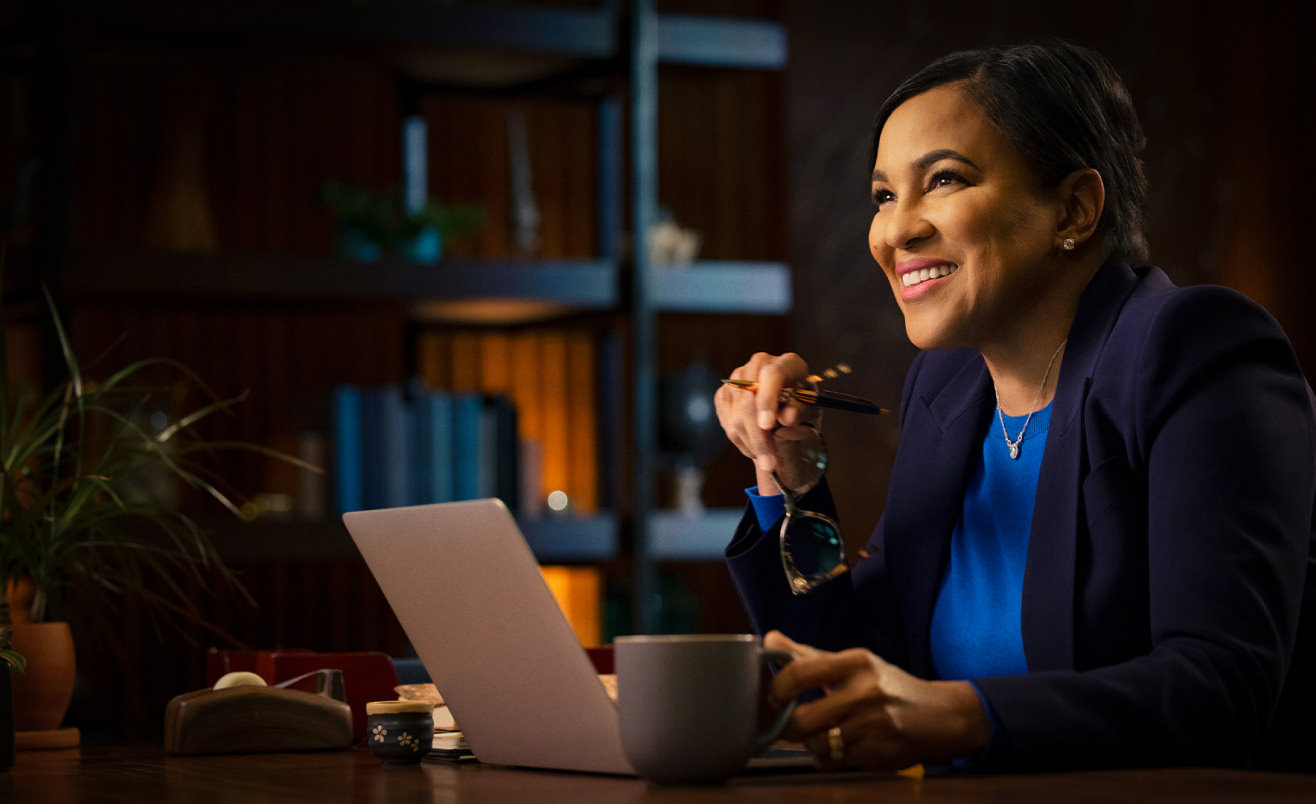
column 601, row 64
column 708, row 286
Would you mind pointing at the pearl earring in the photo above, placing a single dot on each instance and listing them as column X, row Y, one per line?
column 1068, row 244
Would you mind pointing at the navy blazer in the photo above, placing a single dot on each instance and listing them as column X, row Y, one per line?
column 1168, row 601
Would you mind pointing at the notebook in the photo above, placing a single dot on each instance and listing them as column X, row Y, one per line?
column 468, row 592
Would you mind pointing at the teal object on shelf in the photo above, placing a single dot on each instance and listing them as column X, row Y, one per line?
column 426, row 246
column 353, row 243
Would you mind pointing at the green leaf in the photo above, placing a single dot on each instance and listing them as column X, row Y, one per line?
column 67, row 459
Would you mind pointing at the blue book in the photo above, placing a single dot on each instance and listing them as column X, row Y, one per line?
column 432, row 447
column 348, row 483
column 503, row 452
column 418, row 446
column 384, row 446
column 372, row 485
column 394, row 439
column 468, row 446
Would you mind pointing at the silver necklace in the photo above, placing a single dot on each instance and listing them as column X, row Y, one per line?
column 1015, row 444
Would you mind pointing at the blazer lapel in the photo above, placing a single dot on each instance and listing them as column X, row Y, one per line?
column 1047, row 619
column 926, row 495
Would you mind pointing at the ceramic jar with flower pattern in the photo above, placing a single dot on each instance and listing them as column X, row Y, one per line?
column 400, row 731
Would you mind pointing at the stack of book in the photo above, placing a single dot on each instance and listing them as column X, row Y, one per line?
column 514, row 415
column 552, row 377
column 397, row 445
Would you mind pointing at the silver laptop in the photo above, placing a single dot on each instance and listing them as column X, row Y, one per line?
column 468, row 592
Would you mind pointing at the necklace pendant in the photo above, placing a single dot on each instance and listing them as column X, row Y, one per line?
column 1014, row 451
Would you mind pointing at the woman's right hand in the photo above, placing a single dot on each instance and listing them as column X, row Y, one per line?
column 887, row 718
column 750, row 417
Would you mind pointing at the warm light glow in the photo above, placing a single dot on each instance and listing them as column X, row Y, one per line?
column 487, row 311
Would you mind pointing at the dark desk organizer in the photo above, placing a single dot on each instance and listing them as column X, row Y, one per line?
column 367, row 675
column 260, row 719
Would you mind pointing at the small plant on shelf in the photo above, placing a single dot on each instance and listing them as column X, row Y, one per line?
column 371, row 225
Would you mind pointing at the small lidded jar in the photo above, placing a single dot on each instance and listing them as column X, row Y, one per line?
column 399, row 732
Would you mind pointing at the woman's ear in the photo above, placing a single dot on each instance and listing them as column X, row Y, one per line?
column 1082, row 197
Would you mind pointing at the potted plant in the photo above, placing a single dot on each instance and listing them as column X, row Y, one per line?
column 75, row 513
column 371, row 224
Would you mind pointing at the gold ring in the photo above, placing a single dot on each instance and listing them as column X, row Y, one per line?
column 835, row 744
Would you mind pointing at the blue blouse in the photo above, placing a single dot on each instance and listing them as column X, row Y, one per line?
column 976, row 629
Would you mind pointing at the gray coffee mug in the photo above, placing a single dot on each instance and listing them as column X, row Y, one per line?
column 689, row 704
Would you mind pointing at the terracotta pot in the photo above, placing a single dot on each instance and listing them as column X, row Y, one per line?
column 22, row 593
column 43, row 693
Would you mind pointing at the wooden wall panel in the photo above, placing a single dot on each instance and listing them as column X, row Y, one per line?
column 469, row 163
column 271, row 131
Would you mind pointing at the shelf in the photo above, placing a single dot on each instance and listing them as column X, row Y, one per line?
column 578, row 284
column 721, row 42
column 566, row 539
column 448, row 290
column 724, row 287
column 576, row 33
column 554, row 540
column 674, row 536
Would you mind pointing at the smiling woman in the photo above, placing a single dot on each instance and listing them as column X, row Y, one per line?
column 971, row 213
column 1072, row 570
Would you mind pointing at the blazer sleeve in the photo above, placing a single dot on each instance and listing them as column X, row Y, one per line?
column 1217, row 433
column 825, row 618
column 859, row 608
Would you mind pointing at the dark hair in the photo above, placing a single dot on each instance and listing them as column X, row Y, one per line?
column 1065, row 108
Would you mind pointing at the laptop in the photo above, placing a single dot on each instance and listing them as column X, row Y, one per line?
column 468, row 592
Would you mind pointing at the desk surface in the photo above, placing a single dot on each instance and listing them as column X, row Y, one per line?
column 117, row 774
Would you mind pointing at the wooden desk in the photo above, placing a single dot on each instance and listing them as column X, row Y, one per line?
column 97, row 774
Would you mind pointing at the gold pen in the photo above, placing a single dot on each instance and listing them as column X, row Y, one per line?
column 823, row 399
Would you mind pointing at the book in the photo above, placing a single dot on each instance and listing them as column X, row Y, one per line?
column 396, row 446
column 550, row 378
column 385, row 431
column 348, row 482
column 525, row 369
column 312, row 492
column 468, row 439
column 432, row 444
column 502, row 450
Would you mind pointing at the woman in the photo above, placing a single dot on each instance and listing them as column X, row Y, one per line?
column 1097, row 546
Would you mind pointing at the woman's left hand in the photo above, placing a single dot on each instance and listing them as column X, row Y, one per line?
column 888, row 719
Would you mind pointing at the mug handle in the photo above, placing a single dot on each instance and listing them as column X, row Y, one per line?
column 770, row 735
